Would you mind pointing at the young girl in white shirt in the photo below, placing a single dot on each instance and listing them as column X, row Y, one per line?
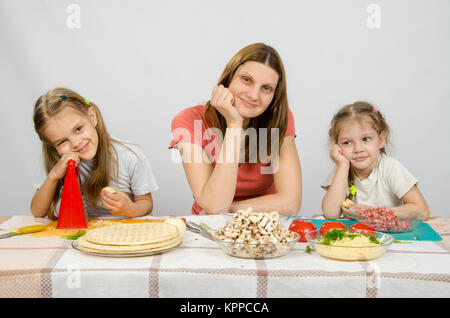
column 364, row 173
column 72, row 128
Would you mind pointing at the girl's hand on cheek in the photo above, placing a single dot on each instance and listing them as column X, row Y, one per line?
column 223, row 100
column 337, row 156
column 60, row 168
column 118, row 203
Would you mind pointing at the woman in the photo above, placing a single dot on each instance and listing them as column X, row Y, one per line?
column 230, row 146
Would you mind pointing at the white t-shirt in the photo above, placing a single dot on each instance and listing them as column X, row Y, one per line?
column 388, row 182
column 135, row 177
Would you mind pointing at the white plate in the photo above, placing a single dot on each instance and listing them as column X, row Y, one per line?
column 126, row 254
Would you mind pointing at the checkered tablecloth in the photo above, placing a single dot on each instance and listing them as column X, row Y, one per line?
column 50, row 267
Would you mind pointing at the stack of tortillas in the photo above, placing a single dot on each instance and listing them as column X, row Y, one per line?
column 130, row 238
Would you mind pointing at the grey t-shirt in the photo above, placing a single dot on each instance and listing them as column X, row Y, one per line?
column 135, row 177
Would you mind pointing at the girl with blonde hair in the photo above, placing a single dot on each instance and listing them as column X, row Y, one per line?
column 244, row 136
column 364, row 173
column 72, row 128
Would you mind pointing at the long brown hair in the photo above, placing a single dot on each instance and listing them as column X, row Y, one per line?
column 47, row 106
column 361, row 111
column 276, row 115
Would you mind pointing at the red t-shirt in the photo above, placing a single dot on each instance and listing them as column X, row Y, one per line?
column 190, row 126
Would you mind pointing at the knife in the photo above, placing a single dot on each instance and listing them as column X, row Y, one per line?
column 25, row 230
column 194, row 227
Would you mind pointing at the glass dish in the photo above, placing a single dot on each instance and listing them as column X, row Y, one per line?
column 350, row 253
column 123, row 254
column 407, row 222
column 286, row 214
column 258, row 250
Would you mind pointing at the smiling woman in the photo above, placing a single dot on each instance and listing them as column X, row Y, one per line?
column 240, row 145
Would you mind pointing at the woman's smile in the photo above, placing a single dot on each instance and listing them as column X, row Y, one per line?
column 248, row 104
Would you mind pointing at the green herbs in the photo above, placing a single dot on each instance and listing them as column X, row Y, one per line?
column 308, row 249
column 372, row 238
column 75, row 236
column 335, row 235
column 339, row 234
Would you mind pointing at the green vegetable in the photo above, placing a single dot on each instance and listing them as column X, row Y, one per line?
column 75, row 236
column 339, row 234
column 308, row 249
column 372, row 238
column 401, row 242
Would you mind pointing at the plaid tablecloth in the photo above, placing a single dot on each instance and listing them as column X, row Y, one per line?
column 50, row 267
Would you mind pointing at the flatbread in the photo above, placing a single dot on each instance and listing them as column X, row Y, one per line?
column 133, row 234
column 113, row 249
column 129, row 252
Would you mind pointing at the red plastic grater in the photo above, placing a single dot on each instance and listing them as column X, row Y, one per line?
column 71, row 212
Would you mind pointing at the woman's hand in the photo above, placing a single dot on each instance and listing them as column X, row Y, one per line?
column 118, row 203
column 60, row 168
column 337, row 156
column 223, row 100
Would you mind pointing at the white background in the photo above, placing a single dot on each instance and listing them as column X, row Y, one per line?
column 144, row 61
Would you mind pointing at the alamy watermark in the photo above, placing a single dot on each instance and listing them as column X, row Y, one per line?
column 373, row 276
column 235, row 146
column 74, row 278
column 73, row 20
column 374, row 19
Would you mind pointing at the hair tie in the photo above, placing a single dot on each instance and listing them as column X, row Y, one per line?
column 63, row 97
column 375, row 110
column 353, row 190
column 87, row 101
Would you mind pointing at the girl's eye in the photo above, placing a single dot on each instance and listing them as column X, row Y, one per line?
column 60, row 143
column 346, row 143
column 246, row 79
column 79, row 129
column 267, row 89
column 366, row 139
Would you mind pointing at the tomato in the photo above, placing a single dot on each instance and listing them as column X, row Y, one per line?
column 328, row 226
column 183, row 219
column 362, row 228
column 302, row 227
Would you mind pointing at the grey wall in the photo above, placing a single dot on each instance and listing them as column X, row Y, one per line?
column 144, row 61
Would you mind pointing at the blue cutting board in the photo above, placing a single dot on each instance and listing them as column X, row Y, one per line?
column 424, row 232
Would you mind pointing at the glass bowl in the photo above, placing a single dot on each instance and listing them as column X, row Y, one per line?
column 286, row 214
column 350, row 253
column 404, row 222
column 257, row 250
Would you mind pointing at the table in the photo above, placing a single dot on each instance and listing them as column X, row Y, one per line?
column 50, row 267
